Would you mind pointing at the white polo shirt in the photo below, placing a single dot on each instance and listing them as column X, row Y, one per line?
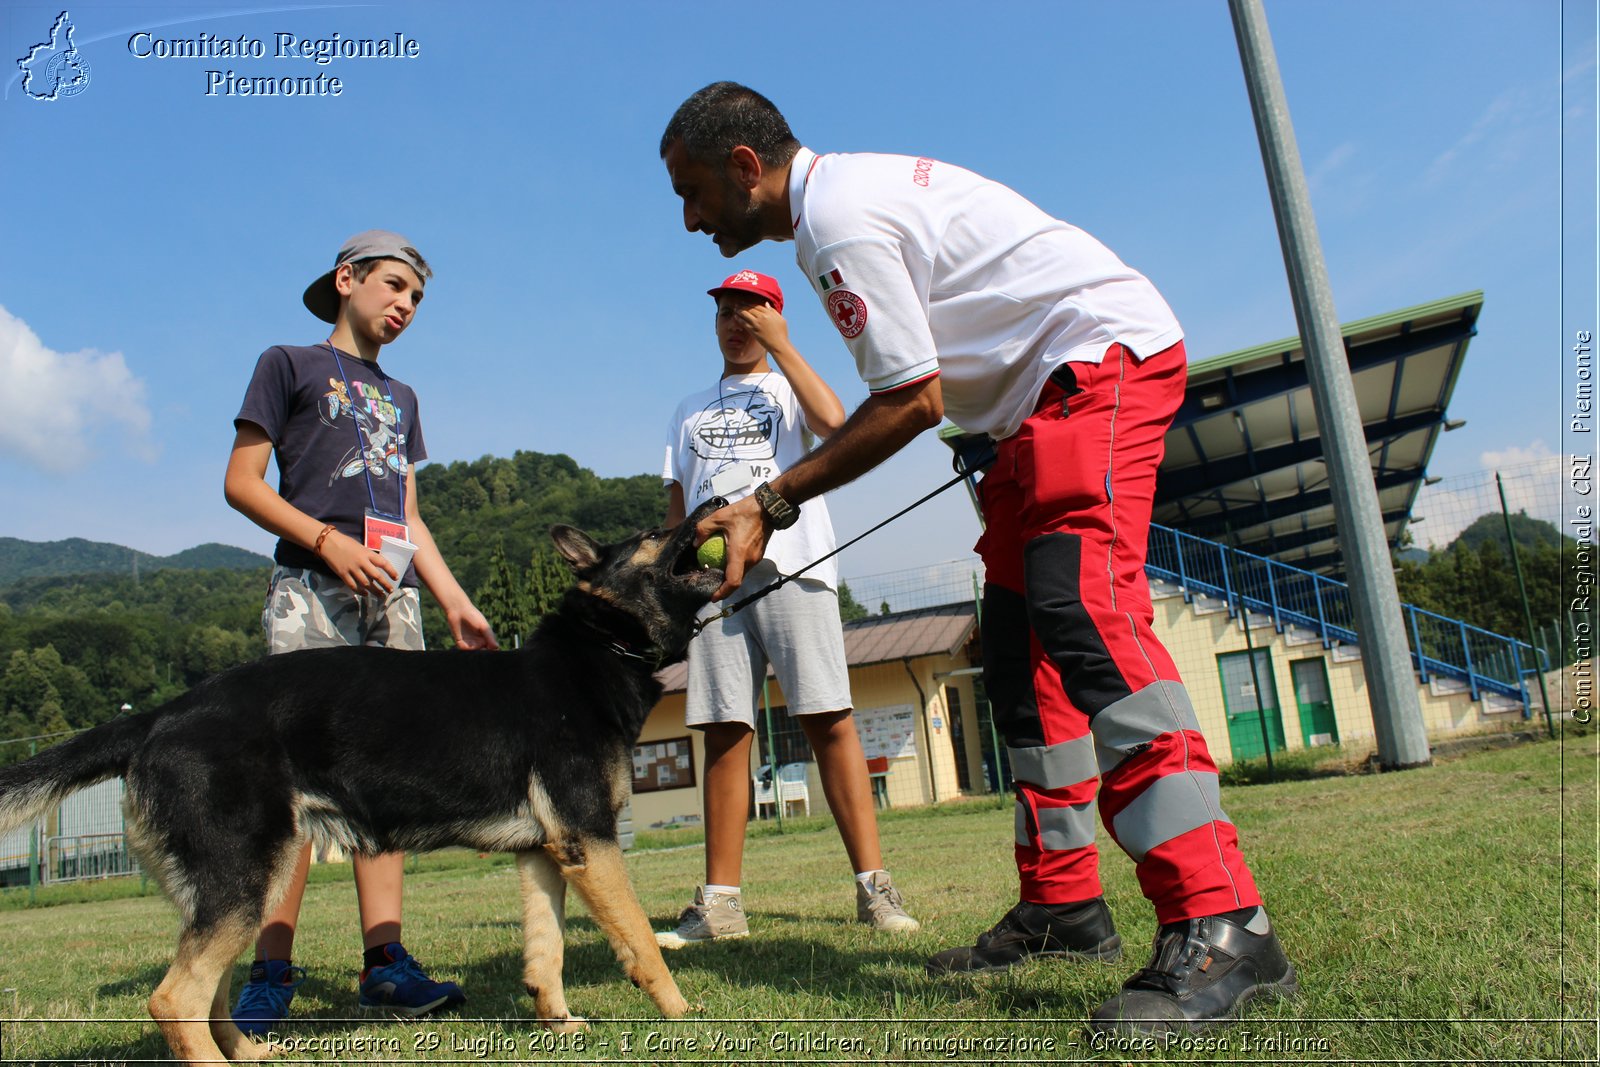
column 926, row 268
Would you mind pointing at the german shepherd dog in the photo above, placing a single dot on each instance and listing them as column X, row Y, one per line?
column 381, row 750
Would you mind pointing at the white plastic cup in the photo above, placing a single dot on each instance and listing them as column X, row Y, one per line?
column 398, row 553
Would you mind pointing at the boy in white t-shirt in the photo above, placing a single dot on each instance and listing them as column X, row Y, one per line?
column 724, row 440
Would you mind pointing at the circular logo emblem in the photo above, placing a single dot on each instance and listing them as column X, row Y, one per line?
column 67, row 74
column 849, row 312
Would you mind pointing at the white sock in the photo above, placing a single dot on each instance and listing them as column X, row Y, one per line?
column 722, row 890
column 865, row 877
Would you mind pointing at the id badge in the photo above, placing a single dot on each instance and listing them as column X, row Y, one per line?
column 378, row 526
column 731, row 482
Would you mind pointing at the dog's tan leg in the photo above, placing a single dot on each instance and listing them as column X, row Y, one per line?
column 229, row 1038
column 183, row 1003
column 596, row 870
column 543, row 921
column 233, row 1042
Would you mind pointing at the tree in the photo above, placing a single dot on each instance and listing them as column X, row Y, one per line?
column 850, row 609
column 503, row 599
column 1473, row 580
column 211, row 650
column 549, row 578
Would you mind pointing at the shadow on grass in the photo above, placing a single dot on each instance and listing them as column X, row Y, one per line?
column 775, row 965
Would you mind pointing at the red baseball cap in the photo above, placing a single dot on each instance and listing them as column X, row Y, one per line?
column 748, row 281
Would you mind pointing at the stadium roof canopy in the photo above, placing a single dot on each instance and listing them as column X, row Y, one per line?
column 1244, row 463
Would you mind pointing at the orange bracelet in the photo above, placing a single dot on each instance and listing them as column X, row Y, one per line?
column 321, row 537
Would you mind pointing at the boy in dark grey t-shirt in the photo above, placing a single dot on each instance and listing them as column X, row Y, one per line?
column 346, row 438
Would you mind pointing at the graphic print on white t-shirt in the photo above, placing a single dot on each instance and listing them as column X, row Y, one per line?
column 725, row 441
column 740, row 425
column 736, row 437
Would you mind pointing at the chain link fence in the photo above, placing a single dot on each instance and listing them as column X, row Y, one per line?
column 84, row 837
column 1460, row 561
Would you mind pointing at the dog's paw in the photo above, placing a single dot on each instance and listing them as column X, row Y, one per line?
column 572, row 1024
column 252, row 1051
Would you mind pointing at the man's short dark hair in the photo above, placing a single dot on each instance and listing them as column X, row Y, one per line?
column 724, row 115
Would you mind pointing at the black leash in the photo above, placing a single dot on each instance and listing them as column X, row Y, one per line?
column 963, row 471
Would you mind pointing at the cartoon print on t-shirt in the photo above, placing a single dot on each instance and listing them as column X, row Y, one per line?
column 377, row 420
column 743, row 425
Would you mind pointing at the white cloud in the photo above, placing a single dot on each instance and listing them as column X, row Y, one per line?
column 59, row 410
column 1330, row 163
column 1498, row 138
column 1532, row 477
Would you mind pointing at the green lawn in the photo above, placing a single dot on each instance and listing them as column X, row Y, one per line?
column 1443, row 915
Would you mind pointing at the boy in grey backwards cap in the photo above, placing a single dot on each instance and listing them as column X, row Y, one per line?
column 346, row 437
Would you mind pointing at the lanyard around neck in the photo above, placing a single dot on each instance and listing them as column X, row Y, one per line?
column 361, row 445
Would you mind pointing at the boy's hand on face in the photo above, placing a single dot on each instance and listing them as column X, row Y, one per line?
column 766, row 326
column 362, row 570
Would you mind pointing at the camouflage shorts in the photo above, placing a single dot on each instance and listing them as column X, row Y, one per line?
column 309, row 609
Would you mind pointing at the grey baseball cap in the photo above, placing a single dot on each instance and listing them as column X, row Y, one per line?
column 322, row 299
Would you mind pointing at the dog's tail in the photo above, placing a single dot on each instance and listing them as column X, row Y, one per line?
column 30, row 788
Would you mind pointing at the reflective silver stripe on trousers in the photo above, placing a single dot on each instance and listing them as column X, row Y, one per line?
column 1159, row 708
column 1055, row 766
column 1060, row 829
column 1168, row 807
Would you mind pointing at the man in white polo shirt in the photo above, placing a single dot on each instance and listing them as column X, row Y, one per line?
column 958, row 297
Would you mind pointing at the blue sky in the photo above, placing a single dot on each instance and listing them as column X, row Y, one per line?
column 157, row 239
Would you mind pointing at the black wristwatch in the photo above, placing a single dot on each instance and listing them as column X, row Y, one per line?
column 779, row 511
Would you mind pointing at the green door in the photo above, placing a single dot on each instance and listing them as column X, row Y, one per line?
column 1317, row 723
column 1243, row 704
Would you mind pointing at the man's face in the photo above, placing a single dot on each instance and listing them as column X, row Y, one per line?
column 738, row 345
column 382, row 304
column 714, row 202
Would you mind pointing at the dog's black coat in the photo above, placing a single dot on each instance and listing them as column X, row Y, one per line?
column 383, row 750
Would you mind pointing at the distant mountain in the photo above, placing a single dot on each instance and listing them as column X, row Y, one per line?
column 43, row 559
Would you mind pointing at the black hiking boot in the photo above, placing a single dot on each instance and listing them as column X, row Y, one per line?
column 1081, row 931
column 1201, row 973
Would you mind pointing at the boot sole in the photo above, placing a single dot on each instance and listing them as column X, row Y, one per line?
column 673, row 941
column 1285, row 988
column 1107, row 951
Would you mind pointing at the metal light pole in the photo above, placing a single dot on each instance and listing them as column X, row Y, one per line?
column 1385, row 658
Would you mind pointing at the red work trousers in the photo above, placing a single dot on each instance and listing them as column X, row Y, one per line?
column 1082, row 690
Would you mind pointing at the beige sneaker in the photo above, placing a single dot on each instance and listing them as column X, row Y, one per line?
column 712, row 917
column 878, row 904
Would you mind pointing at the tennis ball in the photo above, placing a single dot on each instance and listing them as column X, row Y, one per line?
column 713, row 552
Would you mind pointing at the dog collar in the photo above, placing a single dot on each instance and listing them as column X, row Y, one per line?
column 620, row 649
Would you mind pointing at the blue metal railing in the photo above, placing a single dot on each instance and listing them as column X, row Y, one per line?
column 1449, row 648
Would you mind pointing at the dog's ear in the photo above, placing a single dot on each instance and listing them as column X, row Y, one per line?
column 580, row 550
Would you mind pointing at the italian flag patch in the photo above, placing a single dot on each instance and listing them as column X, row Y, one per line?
column 829, row 280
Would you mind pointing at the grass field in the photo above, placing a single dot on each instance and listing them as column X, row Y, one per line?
column 1444, row 915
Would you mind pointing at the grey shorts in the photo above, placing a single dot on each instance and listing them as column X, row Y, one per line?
column 309, row 609
column 796, row 629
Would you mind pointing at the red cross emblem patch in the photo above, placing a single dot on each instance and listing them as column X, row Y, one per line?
column 849, row 312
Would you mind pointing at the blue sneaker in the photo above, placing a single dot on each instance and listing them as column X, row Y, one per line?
column 264, row 1000
column 401, row 986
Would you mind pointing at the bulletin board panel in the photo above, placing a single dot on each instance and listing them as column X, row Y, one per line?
column 665, row 764
column 888, row 732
